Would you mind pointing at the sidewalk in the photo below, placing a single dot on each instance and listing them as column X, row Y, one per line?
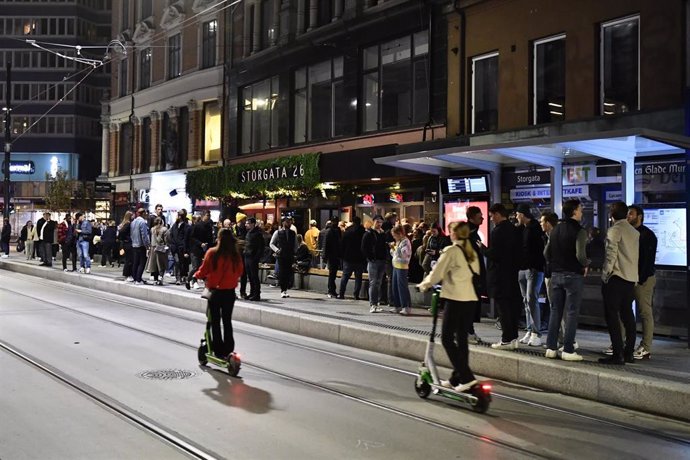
column 659, row 385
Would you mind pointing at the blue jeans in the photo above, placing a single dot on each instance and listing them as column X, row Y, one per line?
column 84, row 257
column 376, row 269
column 401, row 291
column 566, row 297
column 530, row 284
column 348, row 269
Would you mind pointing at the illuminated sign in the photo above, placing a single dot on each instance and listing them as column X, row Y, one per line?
column 21, row 167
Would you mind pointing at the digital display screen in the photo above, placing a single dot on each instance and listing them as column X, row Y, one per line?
column 467, row 184
column 669, row 226
column 457, row 212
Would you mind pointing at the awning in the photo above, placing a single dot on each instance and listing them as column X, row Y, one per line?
column 622, row 146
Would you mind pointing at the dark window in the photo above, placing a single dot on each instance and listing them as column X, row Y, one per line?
column 319, row 95
column 182, row 137
column 125, row 14
column 268, row 31
column 146, row 9
column 620, row 66
column 396, row 83
column 549, row 80
column 208, row 44
column 174, row 56
column 145, row 144
column 123, row 77
column 250, row 48
column 259, row 117
column 485, row 94
column 125, row 148
column 145, row 68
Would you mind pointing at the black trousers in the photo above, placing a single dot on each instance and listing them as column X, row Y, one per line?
column 47, row 253
column 251, row 270
column 243, row 281
column 457, row 316
column 509, row 311
column 221, row 303
column 333, row 266
column 69, row 251
column 129, row 260
column 106, row 253
column 618, row 298
column 285, row 275
column 181, row 265
column 139, row 262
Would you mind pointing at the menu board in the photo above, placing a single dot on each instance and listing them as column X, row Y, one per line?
column 669, row 226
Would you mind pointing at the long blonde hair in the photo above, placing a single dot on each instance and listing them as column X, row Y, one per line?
column 126, row 219
column 462, row 231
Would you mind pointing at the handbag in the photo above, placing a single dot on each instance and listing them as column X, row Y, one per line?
column 206, row 293
column 476, row 278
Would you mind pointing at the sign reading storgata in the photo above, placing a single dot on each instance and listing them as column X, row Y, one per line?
column 272, row 173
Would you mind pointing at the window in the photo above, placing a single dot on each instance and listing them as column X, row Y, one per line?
column 212, row 130
column 145, row 9
column 145, row 68
column 145, row 144
column 620, row 66
column 549, row 80
column 260, row 116
column 126, row 134
column 174, row 56
column 123, row 77
column 208, row 44
column 125, row 14
column 319, row 111
column 268, row 31
column 396, row 83
column 485, row 93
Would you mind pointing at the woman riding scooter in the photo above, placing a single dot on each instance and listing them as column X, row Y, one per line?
column 455, row 269
column 222, row 268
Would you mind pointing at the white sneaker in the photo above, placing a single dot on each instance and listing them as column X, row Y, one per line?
column 87, row 271
column 609, row 351
column 283, row 294
column 535, row 340
column 446, row 384
column 375, row 309
column 571, row 356
column 198, row 287
column 472, row 339
column 575, row 347
column 465, row 386
column 394, row 310
column 551, row 354
column 641, row 353
column 512, row 345
column 81, row 270
column 526, row 338
column 129, row 279
column 405, row 311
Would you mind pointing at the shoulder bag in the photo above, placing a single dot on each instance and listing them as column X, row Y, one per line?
column 476, row 278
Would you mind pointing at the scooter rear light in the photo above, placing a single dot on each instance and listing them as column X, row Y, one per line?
column 486, row 387
column 237, row 356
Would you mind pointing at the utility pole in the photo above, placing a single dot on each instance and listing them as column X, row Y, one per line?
column 8, row 141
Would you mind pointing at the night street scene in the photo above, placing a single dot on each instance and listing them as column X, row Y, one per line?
column 345, row 229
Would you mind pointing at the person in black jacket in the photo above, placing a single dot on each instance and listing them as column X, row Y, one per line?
column 321, row 243
column 284, row 245
column 108, row 244
column 69, row 245
column 377, row 252
column 200, row 239
column 179, row 234
column 5, row 237
column 353, row 258
column 475, row 218
column 531, row 274
column 47, row 236
column 331, row 253
column 502, row 275
column 253, row 250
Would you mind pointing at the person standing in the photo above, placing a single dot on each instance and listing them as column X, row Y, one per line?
column 322, row 243
column 644, row 289
column 139, row 233
column 375, row 249
column 401, row 252
column 108, row 244
column 221, row 269
column 531, row 274
column 475, row 218
column 253, row 250
column 125, row 237
column 548, row 221
column 68, row 244
column 5, row 237
column 29, row 233
column 200, row 239
column 47, row 237
column 159, row 254
column 158, row 214
column 502, row 275
column 179, row 232
column 619, row 276
column 240, row 232
column 332, row 254
column 455, row 269
column 38, row 245
column 83, row 229
column 284, row 245
column 566, row 256
column 353, row 258
column 311, row 239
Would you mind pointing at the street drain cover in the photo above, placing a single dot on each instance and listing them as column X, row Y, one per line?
column 167, row 374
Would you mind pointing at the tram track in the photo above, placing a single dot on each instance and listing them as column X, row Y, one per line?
column 542, row 406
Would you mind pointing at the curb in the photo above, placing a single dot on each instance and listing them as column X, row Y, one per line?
column 646, row 394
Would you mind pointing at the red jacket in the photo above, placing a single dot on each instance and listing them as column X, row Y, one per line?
column 225, row 276
column 62, row 232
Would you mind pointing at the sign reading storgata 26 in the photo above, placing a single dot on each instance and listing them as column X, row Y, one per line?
column 272, row 173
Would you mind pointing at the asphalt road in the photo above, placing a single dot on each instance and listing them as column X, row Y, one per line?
column 295, row 398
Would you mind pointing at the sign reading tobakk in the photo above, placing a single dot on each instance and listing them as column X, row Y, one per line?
column 272, row 173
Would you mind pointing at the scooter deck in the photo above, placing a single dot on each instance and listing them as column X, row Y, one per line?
column 452, row 394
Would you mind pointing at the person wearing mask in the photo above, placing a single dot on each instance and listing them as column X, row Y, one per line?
column 141, row 241
column 619, row 276
column 83, row 229
column 375, row 249
column 353, row 258
column 68, row 243
column 159, row 254
column 332, row 254
column 5, row 237
column 221, row 269
column 28, row 233
column 311, row 239
column 475, row 218
column 253, row 251
column 401, row 252
column 124, row 236
column 566, row 257
column 455, row 269
column 179, row 231
column 284, row 245
column 531, row 274
column 644, row 289
column 200, row 239
column 47, row 237
column 502, row 275
column 108, row 244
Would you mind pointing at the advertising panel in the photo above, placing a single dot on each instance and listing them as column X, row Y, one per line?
column 457, row 212
column 669, row 226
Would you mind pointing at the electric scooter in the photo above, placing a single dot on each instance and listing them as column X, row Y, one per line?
column 428, row 381
column 206, row 355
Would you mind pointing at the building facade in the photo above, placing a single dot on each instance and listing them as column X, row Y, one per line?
column 55, row 99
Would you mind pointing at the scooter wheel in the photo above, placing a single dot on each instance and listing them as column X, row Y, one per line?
column 234, row 365
column 482, row 404
column 201, row 354
column 422, row 388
